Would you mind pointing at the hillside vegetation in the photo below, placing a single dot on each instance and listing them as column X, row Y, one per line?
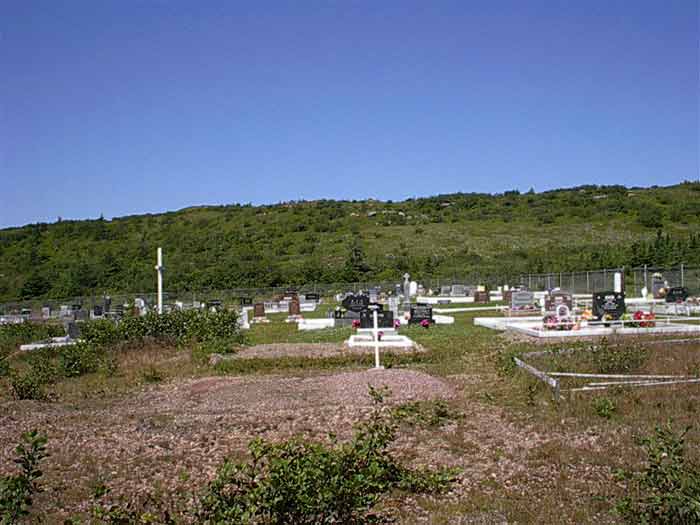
column 231, row 246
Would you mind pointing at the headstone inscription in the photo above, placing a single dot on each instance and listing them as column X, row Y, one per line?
column 445, row 290
column 312, row 297
column 677, row 294
column 608, row 305
column 420, row 313
column 385, row 319
column 553, row 300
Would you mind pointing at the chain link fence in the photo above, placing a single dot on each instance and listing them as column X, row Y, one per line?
column 575, row 282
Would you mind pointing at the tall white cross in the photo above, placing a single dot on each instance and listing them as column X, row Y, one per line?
column 159, row 269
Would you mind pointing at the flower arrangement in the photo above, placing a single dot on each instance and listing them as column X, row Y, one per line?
column 355, row 323
column 397, row 323
column 425, row 323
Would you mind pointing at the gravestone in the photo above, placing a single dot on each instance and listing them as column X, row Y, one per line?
column 294, row 307
column 373, row 295
column 355, row 303
column 119, row 310
column 72, row 329
column 259, row 310
column 420, row 313
column 312, row 297
column 445, row 290
column 385, row 319
column 481, row 297
column 214, row 305
column 76, row 307
column 677, row 294
column 458, row 290
column 245, row 301
column 522, row 300
column 97, row 311
column 608, row 304
column 80, row 315
column 46, row 312
column 393, row 305
column 507, row 296
column 658, row 286
column 107, row 304
column 556, row 298
column 337, row 313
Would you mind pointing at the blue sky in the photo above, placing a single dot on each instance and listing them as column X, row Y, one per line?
column 122, row 107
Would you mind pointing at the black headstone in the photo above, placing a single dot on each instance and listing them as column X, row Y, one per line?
column 677, row 294
column 420, row 313
column 356, row 303
column 608, row 304
column 245, row 301
column 384, row 319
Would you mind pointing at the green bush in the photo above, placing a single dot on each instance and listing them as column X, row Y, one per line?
column 17, row 491
column 78, row 359
column 100, row 332
column 13, row 335
column 667, row 491
column 182, row 326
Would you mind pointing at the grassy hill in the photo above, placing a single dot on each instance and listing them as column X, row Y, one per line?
column 329, row 241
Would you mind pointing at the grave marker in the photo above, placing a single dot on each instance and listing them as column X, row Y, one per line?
column 420, row 313
column 554, row 299
column 677, row 294
column 356, row 303
column 610, row 305
column 385, row 319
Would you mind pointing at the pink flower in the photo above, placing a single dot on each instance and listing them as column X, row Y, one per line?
column 397, row 323
column 356, row 323
column 425, row 323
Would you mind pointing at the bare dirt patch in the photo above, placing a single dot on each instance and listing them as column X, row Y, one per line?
column 154, row 436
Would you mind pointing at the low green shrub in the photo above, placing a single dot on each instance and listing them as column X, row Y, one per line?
column 668, row 489
column 79, row 359
column 100, row 332
column 17, row 491
column 13, row 335
column 604, row 407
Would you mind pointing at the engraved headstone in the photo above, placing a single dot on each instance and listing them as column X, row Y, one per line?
column 522, row 300
column 610, row 305
column 355, row 303
column 677, row 294
column 445, row 290
column 385, row 319
column 481, row 297
column 556, row 298
column 312, row 297
column 420, row 313
column 245, row 301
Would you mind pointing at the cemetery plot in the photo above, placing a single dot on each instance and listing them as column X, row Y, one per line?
column 616, row 363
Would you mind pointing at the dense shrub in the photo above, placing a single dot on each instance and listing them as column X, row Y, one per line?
column 13, row 335
column 181, row 326
column 78, row 359
column 100, row 332
column 16, row 491
column 668, row 489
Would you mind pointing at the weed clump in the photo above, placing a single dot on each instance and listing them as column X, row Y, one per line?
column 668, row 489
column 17, row 491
